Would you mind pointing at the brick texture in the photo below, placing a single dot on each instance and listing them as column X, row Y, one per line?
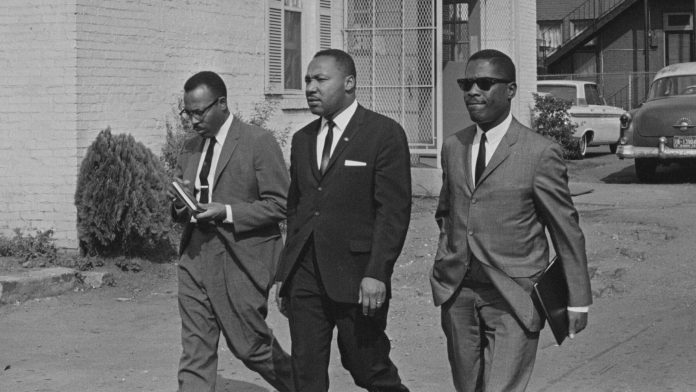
column 503, row 28
column 38, row 120
column 74, row 67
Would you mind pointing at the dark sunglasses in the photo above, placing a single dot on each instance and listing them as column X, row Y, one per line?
column 484, row 84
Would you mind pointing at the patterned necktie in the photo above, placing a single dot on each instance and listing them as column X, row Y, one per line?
column 481, row 158
column 326, row 152
column 205, row 170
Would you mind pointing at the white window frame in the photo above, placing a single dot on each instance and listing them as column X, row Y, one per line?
column 668, row 27
column 315, row 31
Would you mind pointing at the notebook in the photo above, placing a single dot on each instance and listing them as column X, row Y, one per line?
column 550, row 296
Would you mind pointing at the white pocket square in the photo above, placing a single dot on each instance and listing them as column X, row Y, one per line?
column 354, row 163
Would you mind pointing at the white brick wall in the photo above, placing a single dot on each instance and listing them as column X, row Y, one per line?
column 510, row 26
column 38, row 117
column 134, row 57
column 70, row 68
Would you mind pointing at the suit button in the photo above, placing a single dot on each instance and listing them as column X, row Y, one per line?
column 316, row 213
column 471, row 232
column 473, row 201
column 320, row 189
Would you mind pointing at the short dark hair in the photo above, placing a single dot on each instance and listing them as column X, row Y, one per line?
column 207, row 78
column 497, row 58
column 344, row 60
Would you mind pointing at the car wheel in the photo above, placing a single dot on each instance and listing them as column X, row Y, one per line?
column 612, row 148
column 645, row 169
column 583, row 146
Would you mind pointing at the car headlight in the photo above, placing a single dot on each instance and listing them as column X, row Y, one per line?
column 625, row 120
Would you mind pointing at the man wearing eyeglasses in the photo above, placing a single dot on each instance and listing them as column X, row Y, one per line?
column 229, row 251
column 503, row 187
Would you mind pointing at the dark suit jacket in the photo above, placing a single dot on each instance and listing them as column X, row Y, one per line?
column 251, row 176
column 357, row 215
column 503, row 221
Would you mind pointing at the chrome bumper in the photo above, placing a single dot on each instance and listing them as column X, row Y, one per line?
column 660, row 152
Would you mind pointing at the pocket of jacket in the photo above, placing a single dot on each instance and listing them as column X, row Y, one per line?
column 360, row 246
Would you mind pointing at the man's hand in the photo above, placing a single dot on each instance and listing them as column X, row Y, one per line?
column 372, row 295
column 577, row 321
column 213, row 212
column 282, row 302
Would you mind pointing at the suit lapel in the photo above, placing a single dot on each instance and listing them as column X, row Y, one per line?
column 312, row 154
column 466, row 138
column 194, row 160
column 228, row 148
column 503, row 151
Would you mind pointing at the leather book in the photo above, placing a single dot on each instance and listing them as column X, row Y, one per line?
column 550, row 296
column 187, row 198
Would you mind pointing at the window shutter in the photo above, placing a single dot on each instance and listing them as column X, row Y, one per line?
column 324, row 24
column 274, row 59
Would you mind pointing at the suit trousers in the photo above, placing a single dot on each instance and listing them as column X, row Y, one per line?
column 216, row 296
column 362, row 342
column 488, row 348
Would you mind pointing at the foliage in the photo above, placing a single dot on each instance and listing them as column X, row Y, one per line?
column 178, row 130
column 121, row 199
column 551, row 119
column 29, row 247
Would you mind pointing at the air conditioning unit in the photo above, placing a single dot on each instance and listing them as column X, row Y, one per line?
column 678, row 21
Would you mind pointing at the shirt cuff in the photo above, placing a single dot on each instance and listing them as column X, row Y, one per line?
column 579, row 309
column 228, row 218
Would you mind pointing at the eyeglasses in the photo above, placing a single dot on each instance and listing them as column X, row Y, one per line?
column 197, row 114
column 484, row 84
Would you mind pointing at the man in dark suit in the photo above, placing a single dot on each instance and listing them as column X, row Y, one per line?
column 229, row 251
column 503, row 187
column 348, row 212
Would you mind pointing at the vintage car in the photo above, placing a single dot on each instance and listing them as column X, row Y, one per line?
column 663, row 129
column 598, row 123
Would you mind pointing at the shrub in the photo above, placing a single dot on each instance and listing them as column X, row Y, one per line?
column 121, row 199
column 29, row 247
column 551, row 119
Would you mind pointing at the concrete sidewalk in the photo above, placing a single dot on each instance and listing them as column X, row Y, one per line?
column 19, row 284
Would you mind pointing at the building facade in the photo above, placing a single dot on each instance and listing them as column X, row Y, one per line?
column 618, row 43
column 74, row 67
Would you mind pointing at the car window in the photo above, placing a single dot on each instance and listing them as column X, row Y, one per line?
column 563, row 92
column 592, row 95
column 673, row 85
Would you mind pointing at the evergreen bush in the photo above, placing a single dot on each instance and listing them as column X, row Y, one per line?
column 550, row 118
column 121, row 200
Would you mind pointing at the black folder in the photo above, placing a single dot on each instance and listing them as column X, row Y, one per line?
column 550, row 296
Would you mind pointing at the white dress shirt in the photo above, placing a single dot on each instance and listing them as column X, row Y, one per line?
column 219, row 140
column 341, row 122
column 493, row 138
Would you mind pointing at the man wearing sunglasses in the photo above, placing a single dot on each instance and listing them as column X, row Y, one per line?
column 229, row 251
column 503, row 187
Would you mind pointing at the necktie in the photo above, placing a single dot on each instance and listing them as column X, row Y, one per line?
column 326, row 152
column 205, row 170
column 481, row 158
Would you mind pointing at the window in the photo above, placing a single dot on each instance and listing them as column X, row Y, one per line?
column 455, row 31
column 292, row 54
column 549, row 34
column 293, row 27
column 592, row 95
column 567, row 93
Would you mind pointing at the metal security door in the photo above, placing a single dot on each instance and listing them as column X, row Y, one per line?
column 393, row 45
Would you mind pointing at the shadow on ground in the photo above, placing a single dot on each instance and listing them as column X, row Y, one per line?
column 674, row 173
column 227, row 385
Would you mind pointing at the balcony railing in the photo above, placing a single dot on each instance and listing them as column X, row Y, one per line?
column 584, row 17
